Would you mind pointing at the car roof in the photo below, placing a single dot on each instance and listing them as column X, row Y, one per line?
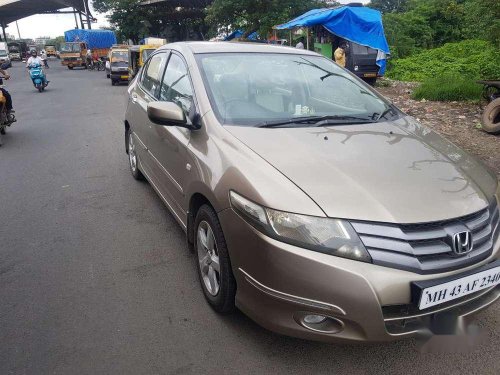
column 218, row 47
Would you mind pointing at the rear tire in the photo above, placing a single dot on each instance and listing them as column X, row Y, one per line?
column 39, row 87
column 70, row 67
column 133, row 159
column 371, row 81
column 3, row 130
column 491, row 117
column 212, row 261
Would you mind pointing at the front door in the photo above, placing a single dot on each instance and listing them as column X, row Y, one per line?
column 170, row 144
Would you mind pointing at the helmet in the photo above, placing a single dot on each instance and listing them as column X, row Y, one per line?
column 33, row 53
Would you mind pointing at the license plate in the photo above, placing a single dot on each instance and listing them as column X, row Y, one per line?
column 124, row 77
column 453, row 289
column 370, row 75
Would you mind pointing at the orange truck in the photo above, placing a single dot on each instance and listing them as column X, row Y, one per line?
column 73, row 52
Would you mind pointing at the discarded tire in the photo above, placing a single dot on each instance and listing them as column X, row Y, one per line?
column 491, row 117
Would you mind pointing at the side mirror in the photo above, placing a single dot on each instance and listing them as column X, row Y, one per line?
column 167, row 114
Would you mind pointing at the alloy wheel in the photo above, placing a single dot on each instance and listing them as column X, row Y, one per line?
column 131, row 153
column 208, row 258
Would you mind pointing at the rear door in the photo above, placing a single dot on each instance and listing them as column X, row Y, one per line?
column 362, row 60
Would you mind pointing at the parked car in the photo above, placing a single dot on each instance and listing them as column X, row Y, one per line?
column 313, row 204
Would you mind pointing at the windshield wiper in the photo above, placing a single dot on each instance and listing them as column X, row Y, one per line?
column 383, row 114
column 316, row 120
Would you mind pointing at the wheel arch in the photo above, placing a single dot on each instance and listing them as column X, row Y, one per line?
column 127, row 129
column 197, row 199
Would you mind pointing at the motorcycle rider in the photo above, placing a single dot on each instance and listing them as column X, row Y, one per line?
column 5, row 93
column 43, row 56
column 35, row 60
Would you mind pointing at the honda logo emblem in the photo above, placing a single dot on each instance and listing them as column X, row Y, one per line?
column 462, row 242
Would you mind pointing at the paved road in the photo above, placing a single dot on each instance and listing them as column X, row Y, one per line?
column 95, row 277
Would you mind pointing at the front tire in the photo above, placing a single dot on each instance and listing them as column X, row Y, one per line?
column 133, row 159
column 213, row 263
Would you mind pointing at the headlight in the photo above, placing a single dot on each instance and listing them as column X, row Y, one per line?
column 330, row 236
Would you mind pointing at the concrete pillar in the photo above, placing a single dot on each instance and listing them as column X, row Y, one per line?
column 4, row 35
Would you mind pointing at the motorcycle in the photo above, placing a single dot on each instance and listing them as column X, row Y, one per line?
column 38, row 77
column 6, row 120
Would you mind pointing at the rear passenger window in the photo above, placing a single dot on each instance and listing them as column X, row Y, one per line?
column 176, row 86
column 152, row 76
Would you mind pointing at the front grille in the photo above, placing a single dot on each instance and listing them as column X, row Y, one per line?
column 427, row 248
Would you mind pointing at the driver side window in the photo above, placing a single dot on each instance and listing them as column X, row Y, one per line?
column 176, row 86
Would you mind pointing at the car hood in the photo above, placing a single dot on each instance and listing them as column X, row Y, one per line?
column 398, row 171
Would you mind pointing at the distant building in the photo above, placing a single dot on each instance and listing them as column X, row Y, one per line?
column 42, row 40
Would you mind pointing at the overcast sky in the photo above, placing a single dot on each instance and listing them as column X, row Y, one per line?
column 54, row 25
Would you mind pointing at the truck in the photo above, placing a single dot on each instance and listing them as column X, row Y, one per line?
column 17, row 50
column 50, row 50
column 78, row 41
column 4, row 54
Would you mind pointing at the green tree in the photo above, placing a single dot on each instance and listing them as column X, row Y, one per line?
column 56, row 42
column 129, row 19
column 482, row 20
column 132, row 20
column 389, row 6
column 257, row 15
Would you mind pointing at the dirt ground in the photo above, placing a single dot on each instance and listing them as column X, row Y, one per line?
column 459, row 122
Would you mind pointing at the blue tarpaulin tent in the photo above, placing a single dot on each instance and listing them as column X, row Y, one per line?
column 239, row 34
column 357, row 24
column 93, row 38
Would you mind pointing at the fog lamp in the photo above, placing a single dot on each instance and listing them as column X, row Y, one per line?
column 314, row 319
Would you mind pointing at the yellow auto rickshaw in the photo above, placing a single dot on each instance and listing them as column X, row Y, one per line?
column 138, row 55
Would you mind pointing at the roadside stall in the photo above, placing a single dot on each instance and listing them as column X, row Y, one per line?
column 356, row 29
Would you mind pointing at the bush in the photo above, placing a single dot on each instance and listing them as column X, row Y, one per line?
column 448, row 88
column 470, row 58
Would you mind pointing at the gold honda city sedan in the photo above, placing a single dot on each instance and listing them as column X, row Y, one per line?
column 313, row 204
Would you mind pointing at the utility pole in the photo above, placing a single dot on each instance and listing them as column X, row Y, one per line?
column 18, row 32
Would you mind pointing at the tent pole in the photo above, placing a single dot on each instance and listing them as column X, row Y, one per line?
column 307, row 36
column 291, row 38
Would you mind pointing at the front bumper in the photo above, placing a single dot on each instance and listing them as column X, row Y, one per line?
column 119, row 76
column 280, row 283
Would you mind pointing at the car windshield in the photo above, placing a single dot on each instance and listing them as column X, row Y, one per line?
column 3, row 52
column 119, row 59
column 251, row 89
